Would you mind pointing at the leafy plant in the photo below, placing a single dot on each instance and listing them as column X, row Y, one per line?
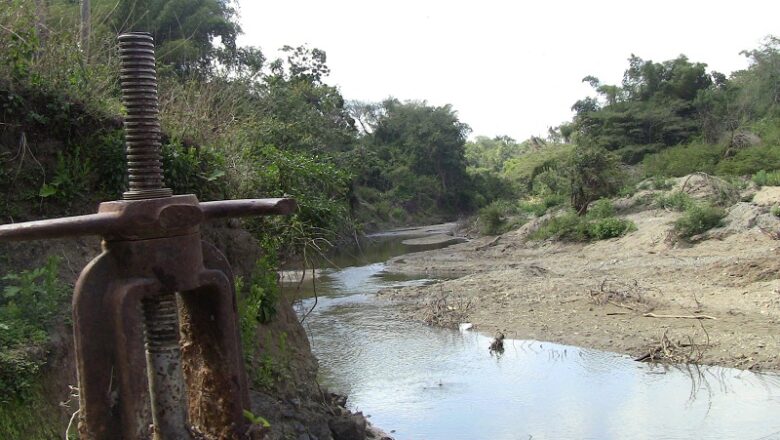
column 494, row 218
column 764, row 178
column 598, row 225
column 677, row 200
column 29, row 302
column 609, row 227
column 697, row 219
column 256, row 420
column 71, row 177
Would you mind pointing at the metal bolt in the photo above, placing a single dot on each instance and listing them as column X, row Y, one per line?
column 142, row 124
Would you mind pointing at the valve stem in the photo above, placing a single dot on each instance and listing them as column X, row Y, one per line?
column 138, row 80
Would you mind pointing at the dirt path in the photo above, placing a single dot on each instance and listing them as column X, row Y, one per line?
column 597, row 295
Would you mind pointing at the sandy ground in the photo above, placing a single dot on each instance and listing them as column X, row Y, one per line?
column 619, row 294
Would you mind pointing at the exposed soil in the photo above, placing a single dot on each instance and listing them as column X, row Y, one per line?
column 619, row 294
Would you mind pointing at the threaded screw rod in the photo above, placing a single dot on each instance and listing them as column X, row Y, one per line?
column 163, row 365
column 138, row 81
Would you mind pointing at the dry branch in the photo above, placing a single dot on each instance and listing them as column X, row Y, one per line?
column 653, row 315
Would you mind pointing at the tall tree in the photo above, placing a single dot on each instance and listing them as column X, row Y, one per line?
column 430, row 141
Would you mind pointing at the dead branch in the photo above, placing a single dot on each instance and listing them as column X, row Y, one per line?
column 491, row 244
column 653, row 315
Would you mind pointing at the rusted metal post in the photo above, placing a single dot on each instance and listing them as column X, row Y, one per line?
column 158, row 299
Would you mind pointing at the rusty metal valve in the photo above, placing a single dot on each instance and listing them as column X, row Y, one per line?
column 157, row 299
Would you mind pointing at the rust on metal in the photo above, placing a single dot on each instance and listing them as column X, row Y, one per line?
column 158, row 299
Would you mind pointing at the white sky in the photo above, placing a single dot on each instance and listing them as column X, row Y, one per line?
column 507, row 67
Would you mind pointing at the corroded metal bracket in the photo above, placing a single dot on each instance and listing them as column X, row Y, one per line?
column 157, row 299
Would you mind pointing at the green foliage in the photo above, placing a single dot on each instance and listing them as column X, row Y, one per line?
column 539, row 206
column 751, row 160
column 185, row 30
column 763, row 178
column 682, row 160
column 428, row 142
column 29, row 302
column 601, row 209
column 598, row 225
column 484, row 152
column 697, row 219
column 566, row 227
column 652, row 109
column 524, row 168
column 193, row 170
column 609, row 227
column 775, row 210
column 499, row 217
column 71, row 179
column 257, row 306
column 33, row 418
column 677, row 201
column 256, row 420
column 594, row 173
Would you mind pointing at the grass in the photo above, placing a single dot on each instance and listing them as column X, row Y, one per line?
column 36, row 417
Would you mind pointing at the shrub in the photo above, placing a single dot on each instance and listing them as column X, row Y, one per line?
column 677, row 201
column 30, row 300
column 602, row 208
column 763, row 178
column 598, row 226
column 751, row 160
column 494, row 217
column 775, row 210
column 567, row 227
column 697, row 219
column 682, row 160
column 594, row 173
column 609, row 227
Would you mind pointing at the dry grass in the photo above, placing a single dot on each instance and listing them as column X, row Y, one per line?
column 626, row 294
column 688, row 350
column 443, row 311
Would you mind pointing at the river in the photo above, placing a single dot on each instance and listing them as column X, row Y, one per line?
column 425, row 383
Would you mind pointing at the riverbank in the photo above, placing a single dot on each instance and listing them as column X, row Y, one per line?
column 716, row 301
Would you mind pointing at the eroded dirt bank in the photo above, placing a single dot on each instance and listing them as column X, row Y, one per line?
column 619, row 294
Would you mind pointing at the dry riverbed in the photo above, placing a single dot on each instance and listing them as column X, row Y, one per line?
column 715, row 301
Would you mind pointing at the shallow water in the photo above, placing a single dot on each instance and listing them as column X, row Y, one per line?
column 426, row 383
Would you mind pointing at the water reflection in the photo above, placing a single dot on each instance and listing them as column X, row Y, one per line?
column 429, row 383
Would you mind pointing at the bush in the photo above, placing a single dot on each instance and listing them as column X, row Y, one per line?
column 602, row 208
column 775, row 210
column 566, row 227
column 682, row 160
column 763, row 178
column 538, row 207
column 609, row 227
column 750, row 161
column 598, row 226
column 677, row 201
column 594, row 173
column 494, row 218
column 29, row 303
column 697, row 219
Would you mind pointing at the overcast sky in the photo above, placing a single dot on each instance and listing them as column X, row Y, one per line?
column 507, row 67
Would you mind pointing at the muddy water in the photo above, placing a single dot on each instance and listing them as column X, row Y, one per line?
column 426, row 383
